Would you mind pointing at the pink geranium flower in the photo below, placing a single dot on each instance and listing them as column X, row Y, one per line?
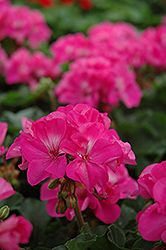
column 70, row 47
column 91, row 150
column 3, row 131
column 27, row 68
column 97, row 81
column 72, row 141
column 152, row 184
column 13, row 231
column 22, row 24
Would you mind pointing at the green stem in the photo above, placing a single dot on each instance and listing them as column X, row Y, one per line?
column 52, row 100
column 79, row 217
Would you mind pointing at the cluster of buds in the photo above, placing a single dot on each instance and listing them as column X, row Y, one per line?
column 67, row 194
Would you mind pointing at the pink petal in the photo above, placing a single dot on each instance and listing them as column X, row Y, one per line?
column 152, row 224
column 46, row 193
column 103, row 151
column 33, row 149
column 50, row 207
column 88, row 173
column 159, row 191
column 36, row 171
column 6, row 189
column 3, row 130
column 57, row 167
column 106, row 212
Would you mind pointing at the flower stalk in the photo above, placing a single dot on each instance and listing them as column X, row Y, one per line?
column 79, row 216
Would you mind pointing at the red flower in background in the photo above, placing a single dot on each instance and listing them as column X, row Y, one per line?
column 84, row 4
column 43, row 3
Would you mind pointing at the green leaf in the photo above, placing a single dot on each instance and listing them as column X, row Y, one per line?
column 60, row 248
column 14, row 202
column 127, row 215
column 34, row 210
column 113, row 239
column 86, row 229
column 116, row 236
column 81, row 242
column 143, row 245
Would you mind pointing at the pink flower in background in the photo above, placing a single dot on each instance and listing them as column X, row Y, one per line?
column 3, row 131
column 70, row 47
column 18, row 67
column 18, row 23
column 24, row 67
column 97, row 81
column 4, row 6
column 83, row 82
column 42, row 66
column 4, row 3
column 152, row 220
column 39, row 31
column 22, row 24
column 117, row 41
column 6, row 189
column 107, row 30
column 13, row 231
column 153, row 38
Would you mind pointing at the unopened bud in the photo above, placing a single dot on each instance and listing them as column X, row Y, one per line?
column 71, row 201
column 53, row 184
column 4, row 212
column 72, row 188
column 61, row 207
column 64, row 194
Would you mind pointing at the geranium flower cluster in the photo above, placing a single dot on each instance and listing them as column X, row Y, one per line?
column 102, row 65
column 74, row 144
column 15, row 229
column 28, row 68
column 22, row 24
column 152, row 185
column 99, row 74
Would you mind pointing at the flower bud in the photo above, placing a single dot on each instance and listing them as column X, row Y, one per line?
column 71, row 202
column 4, row 212
column 61, row 207
column 53, row 184
column 64, row 194
column 72, row 188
